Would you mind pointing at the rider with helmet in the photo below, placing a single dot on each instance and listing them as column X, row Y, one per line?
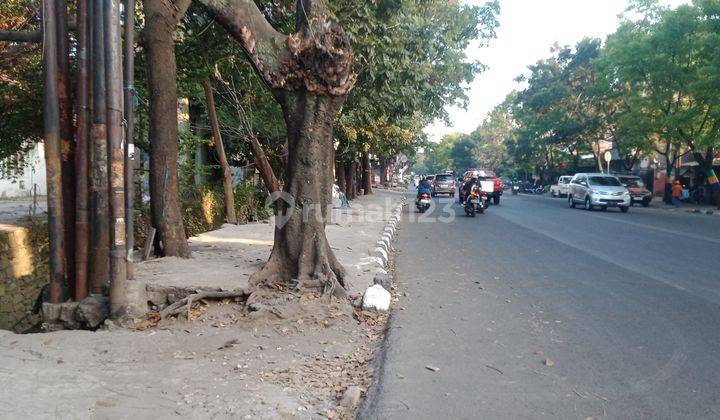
column 468, row 185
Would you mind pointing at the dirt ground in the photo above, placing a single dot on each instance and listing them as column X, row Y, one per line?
column 227, row 362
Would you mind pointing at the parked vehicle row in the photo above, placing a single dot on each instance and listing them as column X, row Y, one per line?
column 576, row 186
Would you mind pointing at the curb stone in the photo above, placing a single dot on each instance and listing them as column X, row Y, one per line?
column 380, row 255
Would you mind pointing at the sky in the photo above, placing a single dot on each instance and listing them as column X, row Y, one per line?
column 528, row 28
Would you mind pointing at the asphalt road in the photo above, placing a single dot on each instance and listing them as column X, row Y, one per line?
column 534, row 310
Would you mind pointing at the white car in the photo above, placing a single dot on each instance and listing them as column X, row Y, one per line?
column 598, row 190
column 562, row 188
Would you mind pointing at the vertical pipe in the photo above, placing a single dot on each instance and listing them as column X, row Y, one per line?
column 52, row 154
column 81, row 154
column 67, row 144
column 99, row 223
column 129, row 91
column 116, row 154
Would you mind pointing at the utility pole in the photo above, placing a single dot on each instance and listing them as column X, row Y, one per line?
column 82, row 230
column 52, row 154
column 99, row 222
column 129, row 91
column 116, row 155
column 67, row 144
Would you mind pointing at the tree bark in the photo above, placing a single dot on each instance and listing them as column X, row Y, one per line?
column 165, row 209
column 367, row 174
column 350, row 171
column 82, row 228
column 231, row 217
column 310, row 74
column 383, row 171
column 263, row 165
column 301, row 249
column 340, row 176
column 56, row 228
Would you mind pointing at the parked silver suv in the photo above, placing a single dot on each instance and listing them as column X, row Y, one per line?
column 598, row 190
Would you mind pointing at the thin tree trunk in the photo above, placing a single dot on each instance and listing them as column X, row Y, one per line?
column 359, row 185
column 53, row 155
column 165, row 209
column 67, row 144
column 99, row 206
column 263, row 164
column 218, row 142
column 352, row 179
column 367, row 174
column 383, row 171
column 129, row 103
column 82, row 229
column 340, row 176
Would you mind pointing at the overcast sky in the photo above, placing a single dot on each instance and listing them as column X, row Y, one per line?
column 527, row 30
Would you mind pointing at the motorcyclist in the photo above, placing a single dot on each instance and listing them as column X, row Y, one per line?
column 424, row 187
column 467, row 186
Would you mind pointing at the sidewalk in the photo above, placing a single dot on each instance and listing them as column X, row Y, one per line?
column 295, row 363
column 12, row 209
column 687, row 207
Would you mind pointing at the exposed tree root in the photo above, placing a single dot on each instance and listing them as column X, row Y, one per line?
column 185, row 304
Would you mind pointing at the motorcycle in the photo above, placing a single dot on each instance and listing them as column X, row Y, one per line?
column 515, row 189
column 475, row 203
column 423, row 202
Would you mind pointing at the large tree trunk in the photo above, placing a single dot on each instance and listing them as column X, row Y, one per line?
column 351, row 184
column 310, row 74
column 230, row 215
column 301, row 248
column 367, row 174
column 165, row 209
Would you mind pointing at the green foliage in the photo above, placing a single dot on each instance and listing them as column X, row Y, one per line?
column 412, row 63
column 250, row 202
column 20, row 86
column 665, row 68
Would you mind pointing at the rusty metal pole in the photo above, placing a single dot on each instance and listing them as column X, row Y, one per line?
column 99, row 222
column 116, row 156
column 52, row 154
column 81, row 154
column 129, row 91
column 67, row 143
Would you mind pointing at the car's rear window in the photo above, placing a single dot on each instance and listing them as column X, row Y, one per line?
column 608, row 181
column 633, row 182
column 443, row 177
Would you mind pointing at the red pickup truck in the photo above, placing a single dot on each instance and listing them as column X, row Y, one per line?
column 485, row 175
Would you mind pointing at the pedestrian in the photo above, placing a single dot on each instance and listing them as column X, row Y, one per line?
column 714, row 186
column 677, row 190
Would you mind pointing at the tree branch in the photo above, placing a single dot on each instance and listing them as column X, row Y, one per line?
column 263, row 45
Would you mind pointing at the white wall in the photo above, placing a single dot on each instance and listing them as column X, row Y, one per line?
column 33, row 173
